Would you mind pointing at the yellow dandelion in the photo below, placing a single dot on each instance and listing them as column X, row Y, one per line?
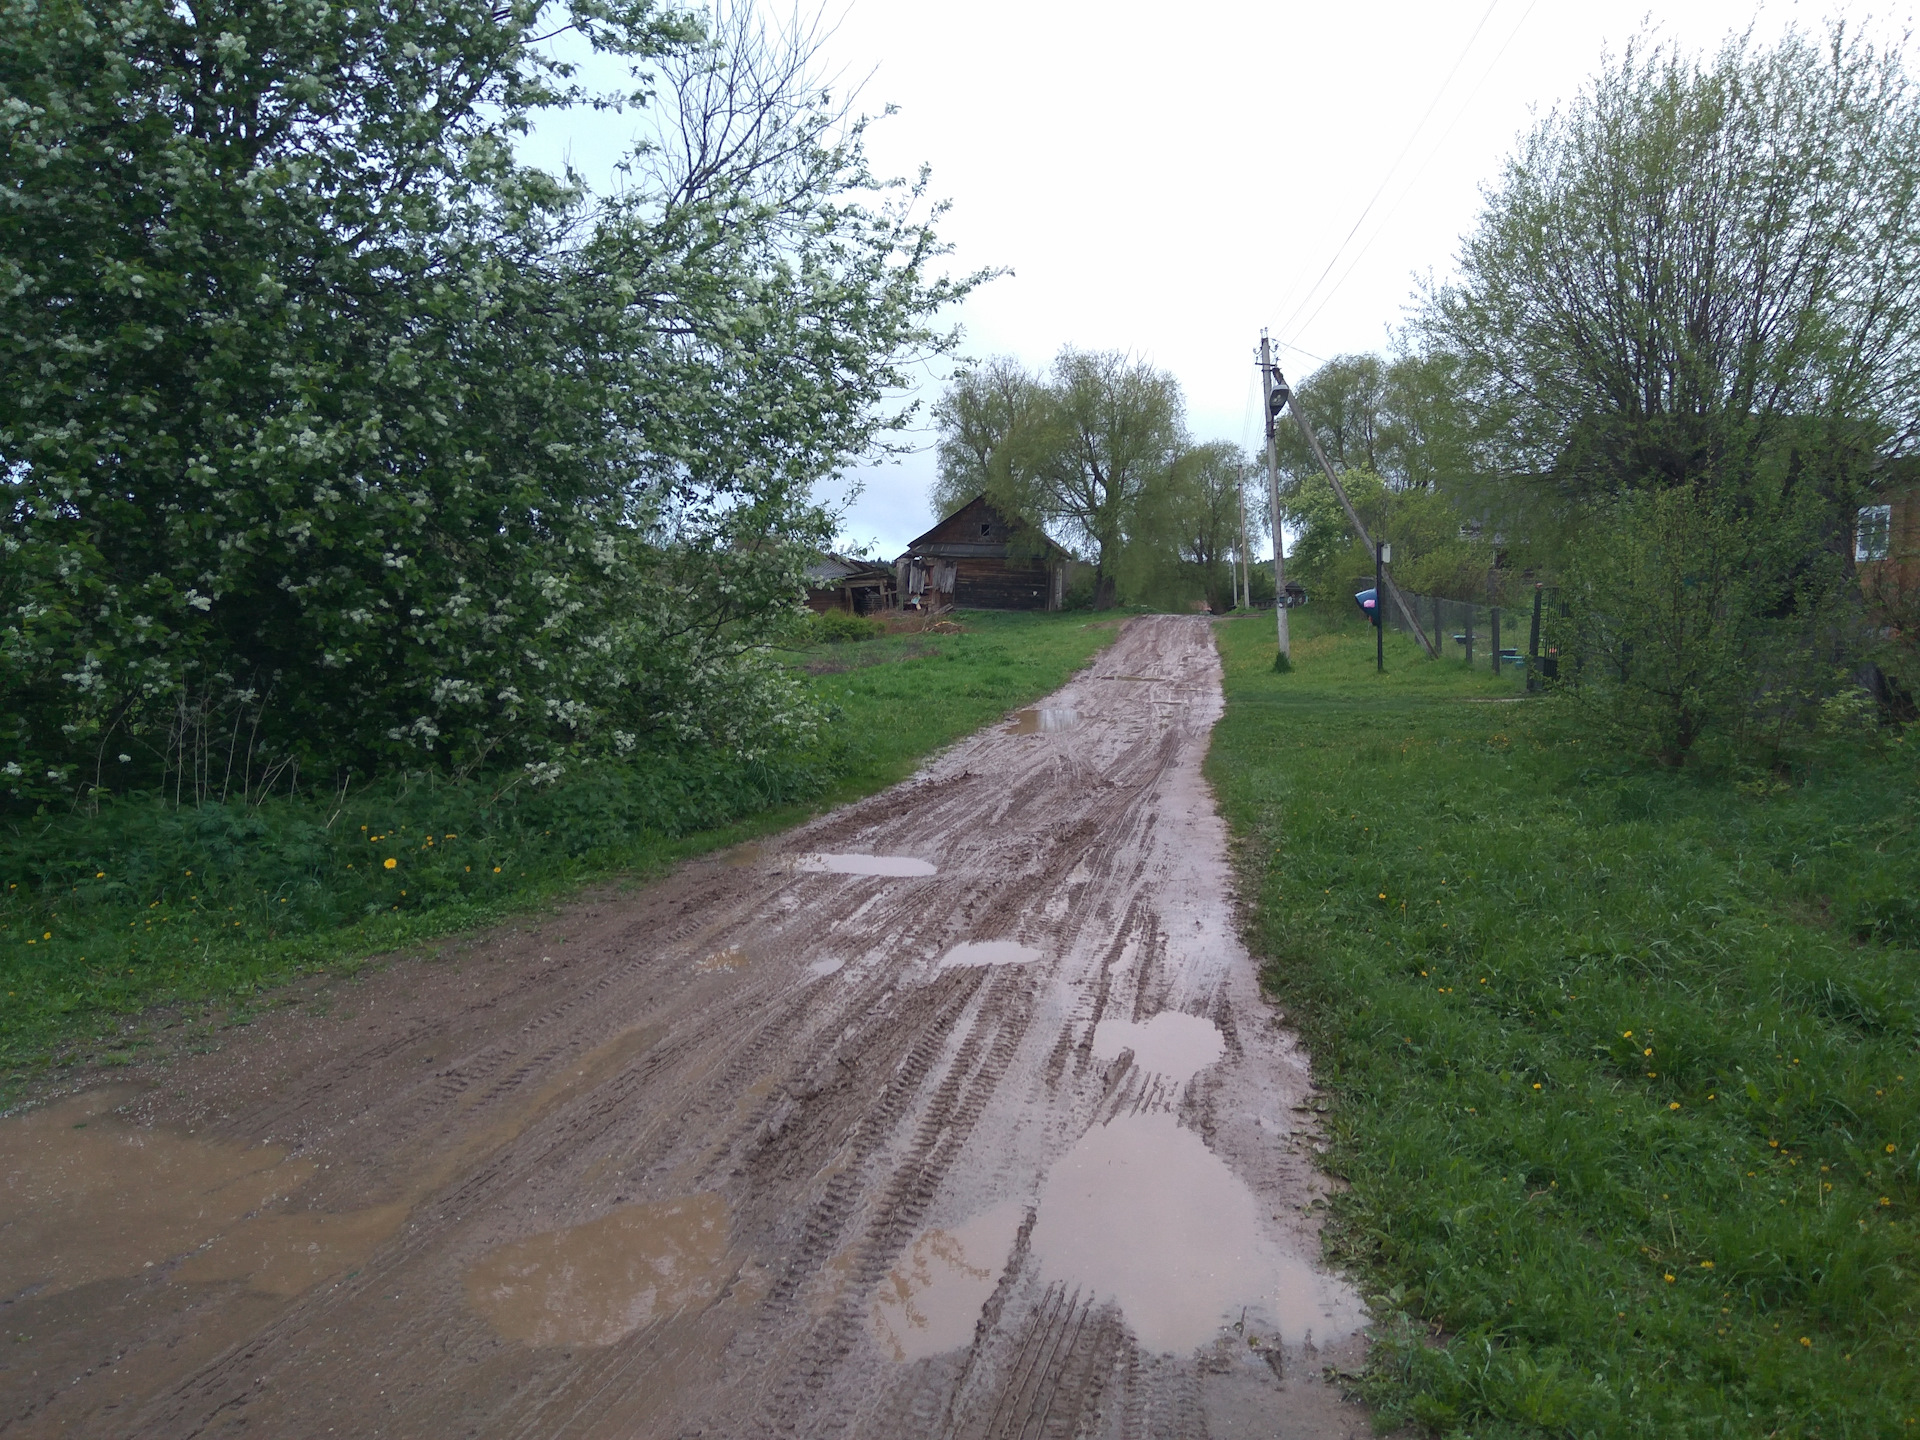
column 1626, row 1034
column 1706, row 1264
column 1673, row 1105
column 1806, row 1342
column 1667, row 1278
column 1889, row 1149
column 1536, row 1086
column 390, row 862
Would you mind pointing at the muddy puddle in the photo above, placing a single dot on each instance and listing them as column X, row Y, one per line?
column 595, row 1283
column 899, row 866
column 286, row 1254
column 1043, row 722
column 731, row 958
column 1143, row 1214
column 931, row 1301
column 988, row 952
column 87, row 1195
column 1171, row 1044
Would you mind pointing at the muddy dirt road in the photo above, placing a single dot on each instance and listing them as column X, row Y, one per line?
column 956, row 1112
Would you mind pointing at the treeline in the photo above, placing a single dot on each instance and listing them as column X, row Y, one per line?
column 1680, row 352
column 1096, row 451
column 336, row 439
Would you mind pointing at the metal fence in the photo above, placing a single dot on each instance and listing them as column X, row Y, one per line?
column 1491, row 637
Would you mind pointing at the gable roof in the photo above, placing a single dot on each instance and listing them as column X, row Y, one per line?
column 978, row 528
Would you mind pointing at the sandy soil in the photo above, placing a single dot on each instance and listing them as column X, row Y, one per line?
column 956, row 1112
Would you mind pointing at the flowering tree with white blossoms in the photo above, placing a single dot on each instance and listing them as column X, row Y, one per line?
column 335, row 437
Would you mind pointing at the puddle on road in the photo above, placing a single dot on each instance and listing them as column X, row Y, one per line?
column 931, row 1300
column 1043, row 722
column 592, row 1284
column 823, row 968
column 1143, row 1213
column 988, row 952
column 86, row 1195
column 731, row 958
column 1172, row 1044
column 821, row 863
column 286, row 1254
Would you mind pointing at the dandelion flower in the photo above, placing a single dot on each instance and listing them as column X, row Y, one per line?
column 1667, row 1278
column 390, row 862
column 1806, row 1342
column 1673, row 1105
column 1626, row 1034
column 1536, row 1085
column 1889, row 1149
column 1706, row 1264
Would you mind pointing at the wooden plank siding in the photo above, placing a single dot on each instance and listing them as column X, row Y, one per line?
column 979, row 543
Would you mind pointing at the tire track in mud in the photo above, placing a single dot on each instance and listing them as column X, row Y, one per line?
column 788, row 1044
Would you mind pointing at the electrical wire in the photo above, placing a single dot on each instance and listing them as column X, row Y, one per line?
column 1420, row 169
column 1305, row 299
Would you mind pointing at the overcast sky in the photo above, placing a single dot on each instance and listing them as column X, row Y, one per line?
column 1169, row 180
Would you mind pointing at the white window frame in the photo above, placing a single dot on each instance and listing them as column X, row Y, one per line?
column 1873, row 533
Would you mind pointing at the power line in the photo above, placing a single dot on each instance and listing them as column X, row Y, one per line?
column 1421, row 169
column 1419, row 125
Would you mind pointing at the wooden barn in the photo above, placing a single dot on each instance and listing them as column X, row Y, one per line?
column 843, row 582
column 971, row 560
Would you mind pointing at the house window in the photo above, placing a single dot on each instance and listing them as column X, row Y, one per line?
column 1873, row 532
column 986, row 527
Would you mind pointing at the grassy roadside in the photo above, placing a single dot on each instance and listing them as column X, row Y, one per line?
column 103, row 918
column 1623, row 1064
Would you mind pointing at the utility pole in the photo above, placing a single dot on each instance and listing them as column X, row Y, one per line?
column 1379, row 609
column 1272, row 401
column 1277, row 385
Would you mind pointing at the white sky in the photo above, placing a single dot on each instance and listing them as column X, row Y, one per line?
column 1168, row 181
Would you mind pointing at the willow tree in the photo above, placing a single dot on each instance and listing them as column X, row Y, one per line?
column 1702, row 276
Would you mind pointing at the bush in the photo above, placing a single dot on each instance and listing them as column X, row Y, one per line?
column 1694, row 615
column 836, row 627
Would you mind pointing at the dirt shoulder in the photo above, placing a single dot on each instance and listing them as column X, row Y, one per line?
column 956, row 1111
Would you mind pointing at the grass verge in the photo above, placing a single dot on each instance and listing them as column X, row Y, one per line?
column 145, row 904
column 1623, row 1064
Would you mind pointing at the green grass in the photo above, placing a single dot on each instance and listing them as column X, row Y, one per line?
column 105, row 917
column 1622, row 1064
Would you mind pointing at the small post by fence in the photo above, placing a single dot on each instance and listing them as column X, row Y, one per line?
column 1439, row 631
column 1469, row 635
column 1496, row 638
column 1533, row 642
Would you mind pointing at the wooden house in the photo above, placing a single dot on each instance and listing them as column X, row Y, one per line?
column 1886, row 551
column 979, row 559
column 843, row 582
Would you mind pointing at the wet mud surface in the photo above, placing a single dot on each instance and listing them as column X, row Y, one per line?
column 956, row 1112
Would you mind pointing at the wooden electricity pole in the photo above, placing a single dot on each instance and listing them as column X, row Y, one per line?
column 1267, row 374
column 1276, row 383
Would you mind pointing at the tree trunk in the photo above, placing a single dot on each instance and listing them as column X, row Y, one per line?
column 1105, row 592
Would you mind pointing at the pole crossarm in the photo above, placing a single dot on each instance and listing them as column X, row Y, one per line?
column 1353, row 518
